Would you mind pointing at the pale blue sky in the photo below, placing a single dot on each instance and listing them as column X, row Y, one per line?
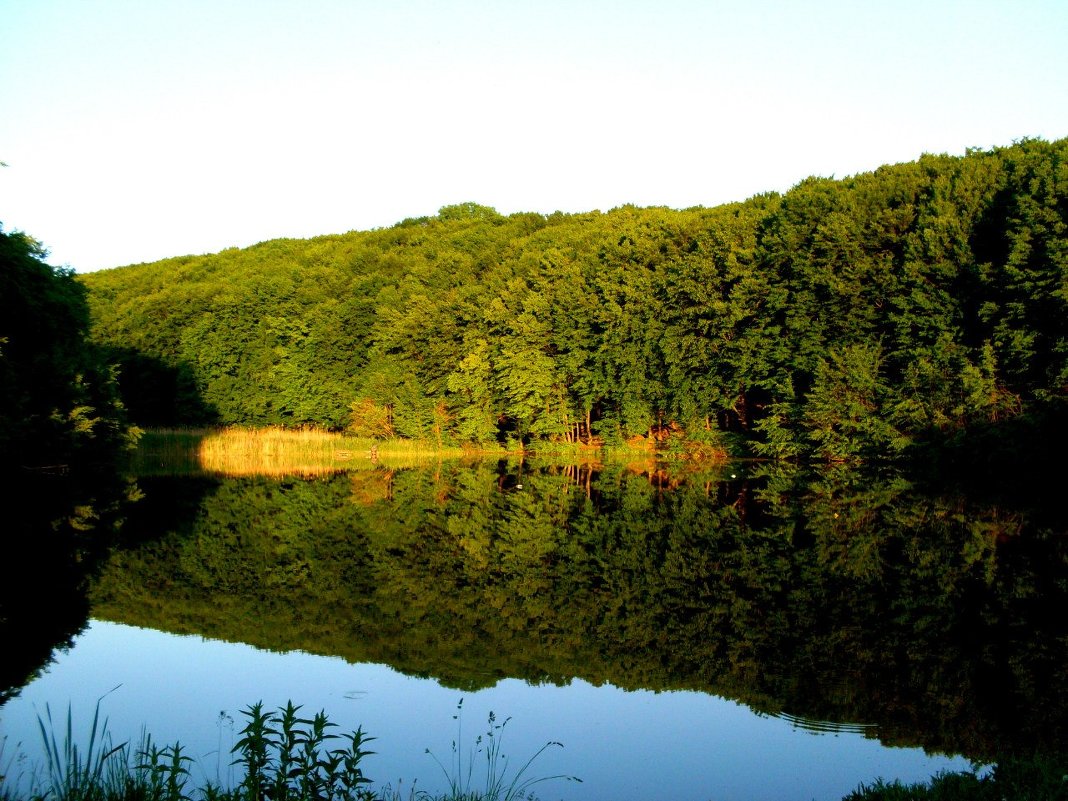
column 139, row 129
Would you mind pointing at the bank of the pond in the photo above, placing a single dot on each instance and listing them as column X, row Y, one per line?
column 235, row 451
column 288, row 754
column 284, row 754
column 270, row 451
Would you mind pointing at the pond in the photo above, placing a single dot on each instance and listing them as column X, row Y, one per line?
column 682, row 634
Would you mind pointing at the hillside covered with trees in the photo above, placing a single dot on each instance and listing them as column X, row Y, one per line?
column 923, row 303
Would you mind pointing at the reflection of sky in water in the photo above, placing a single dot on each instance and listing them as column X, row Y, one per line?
column 623, row 745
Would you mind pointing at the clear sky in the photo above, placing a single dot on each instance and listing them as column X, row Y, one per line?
column 140, row 129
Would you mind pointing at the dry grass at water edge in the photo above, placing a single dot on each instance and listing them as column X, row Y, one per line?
column 274, row 451
column 311, row 452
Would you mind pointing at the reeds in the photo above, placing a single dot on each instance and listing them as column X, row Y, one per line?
column 282, row 757
column 99, row 771
column 285, row 757
column 497, row 785
column 73, row 773
column 274, row 452
column 312, row 452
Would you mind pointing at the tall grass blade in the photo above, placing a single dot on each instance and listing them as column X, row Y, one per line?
column 73, row 774
column 497, row 786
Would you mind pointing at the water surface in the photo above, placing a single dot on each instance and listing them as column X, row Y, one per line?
column 685, row 635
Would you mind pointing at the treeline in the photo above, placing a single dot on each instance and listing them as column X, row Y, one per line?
column 846, row 319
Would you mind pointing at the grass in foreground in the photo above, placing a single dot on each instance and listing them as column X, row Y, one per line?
column 1034, row 779
column 280, row 755
column 283, row 756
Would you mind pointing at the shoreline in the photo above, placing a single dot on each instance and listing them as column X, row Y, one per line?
column 241, row 451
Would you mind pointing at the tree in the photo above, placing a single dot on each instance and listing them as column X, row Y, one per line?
column 58, row 402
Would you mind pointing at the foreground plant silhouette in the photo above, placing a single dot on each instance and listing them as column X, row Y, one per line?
column 282, row 756
column 497, row 787
column 285, row 757
column 72, row 773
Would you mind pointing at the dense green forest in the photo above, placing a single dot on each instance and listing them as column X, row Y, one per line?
column 839, row 597
column 59, row 404
column 843, row 320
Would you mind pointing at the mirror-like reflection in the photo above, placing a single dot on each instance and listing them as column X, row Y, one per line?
column 840, row 597
column 627, row 745
column 58, row 531
column 838, row 602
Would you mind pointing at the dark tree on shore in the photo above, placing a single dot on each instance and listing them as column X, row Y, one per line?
column 58, row 400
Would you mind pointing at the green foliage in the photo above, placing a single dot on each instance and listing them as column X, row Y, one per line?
column 843, row 414
column 471, row 392
column 468, row 211
column 58, row 400
column 74, row 773
column 845, row 320
column 1018, row 778
column 285, row 758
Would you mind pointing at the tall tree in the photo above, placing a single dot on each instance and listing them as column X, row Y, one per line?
column 57, row 396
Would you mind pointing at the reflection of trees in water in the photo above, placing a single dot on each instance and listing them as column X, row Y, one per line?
column 935, row 614
column 835, row 598
column 62, row 431
column 58, row 530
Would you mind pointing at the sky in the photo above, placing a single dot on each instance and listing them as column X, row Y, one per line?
column 134, row 130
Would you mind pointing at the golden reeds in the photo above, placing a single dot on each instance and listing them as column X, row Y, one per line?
column 274, row 452
column 238, row 451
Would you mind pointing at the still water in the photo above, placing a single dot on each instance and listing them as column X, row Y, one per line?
column 682, row 635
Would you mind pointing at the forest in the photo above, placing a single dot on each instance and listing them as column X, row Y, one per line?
column 920, row 306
